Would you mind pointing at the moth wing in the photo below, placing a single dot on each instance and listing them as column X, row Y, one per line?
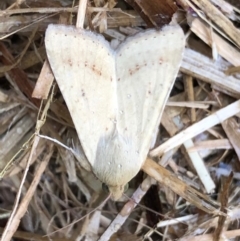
column 83, row 65
column 147, row 65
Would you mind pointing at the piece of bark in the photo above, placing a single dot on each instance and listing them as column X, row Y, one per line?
column 154, row 13
column 231, row 128
column 44, row 83
column 224, row 206
column 203, row 68
column 17, row 75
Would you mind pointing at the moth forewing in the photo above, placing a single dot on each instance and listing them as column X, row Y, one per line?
column 115, row 97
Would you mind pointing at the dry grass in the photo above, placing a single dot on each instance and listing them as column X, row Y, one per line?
column 192, row 195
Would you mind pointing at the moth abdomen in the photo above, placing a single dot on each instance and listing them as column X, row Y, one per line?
column 116, row 154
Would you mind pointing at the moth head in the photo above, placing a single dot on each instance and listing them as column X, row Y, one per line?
column 115, row 191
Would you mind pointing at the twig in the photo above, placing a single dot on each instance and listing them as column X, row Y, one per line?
column 197, row 128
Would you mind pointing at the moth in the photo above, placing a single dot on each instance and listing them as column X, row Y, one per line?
column 115, row 96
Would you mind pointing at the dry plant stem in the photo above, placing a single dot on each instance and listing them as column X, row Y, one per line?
column 191, row 104
column 13, row 223
column 31, row 58
column 16, row 4
column 188, row 81
column 211, row 145
column 26, row 22
column 57, row 10
column 22, row 164
column 194, row 157
column 197, row 128
column 12, row 138
column 203, row 68
column 226, row 235
column 45, row 79
column 126, row 210
column 217, row 17
column 96, row 18
column 22, row 208
column 3, row 97
column 168, row 124
column 76, row 221
column 232, row 70
column 6, row 68
column 44, row 82
column 11, row 162
column 19, row 211
column 9, row 12
column 91, row 224
column 188, row 4
column 169, row 222
column 7, row 234
column 231, row 128
column 169, row 180
column 17, row 77
column 27, row 26
column 225, row 7
column 81, row 13
column 225, row 49
column 224, row 199
column 176, row 220
column 35, row 237
column 200, row 167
